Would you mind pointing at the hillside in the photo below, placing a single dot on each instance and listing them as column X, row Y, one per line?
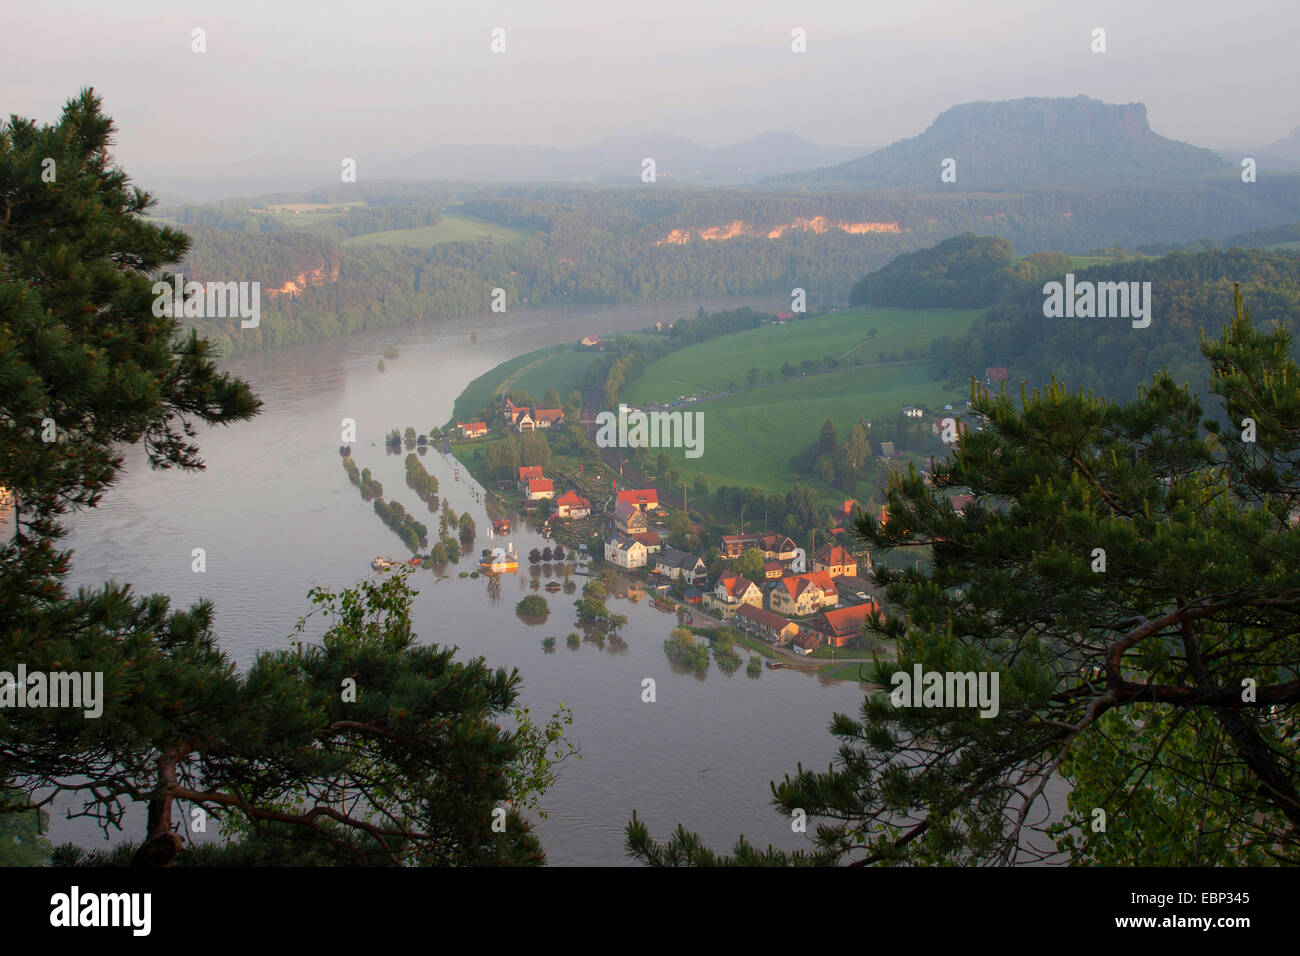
column 851, row 337
column 1189, row 292
column 1034, row 141
column 963, row 271
column 1282, row 155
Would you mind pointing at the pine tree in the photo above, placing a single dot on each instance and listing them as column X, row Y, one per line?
column 338, row 751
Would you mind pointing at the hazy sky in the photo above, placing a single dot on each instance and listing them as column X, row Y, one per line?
column 293, row 85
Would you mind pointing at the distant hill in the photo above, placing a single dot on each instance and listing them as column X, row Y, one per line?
column 1035, row 141
column 618, row 159
column 1283, row 155
column 963, row 272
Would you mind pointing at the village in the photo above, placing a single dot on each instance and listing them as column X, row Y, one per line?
column 761, row 583
column 792, row 603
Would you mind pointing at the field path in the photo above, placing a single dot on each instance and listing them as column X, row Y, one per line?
column 515, row 376
column 855, row 348
column 714, row 396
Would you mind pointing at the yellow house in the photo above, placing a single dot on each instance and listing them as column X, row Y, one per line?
column 630, row 519
column 732, row 591
column 802, row 594
column 835, row 561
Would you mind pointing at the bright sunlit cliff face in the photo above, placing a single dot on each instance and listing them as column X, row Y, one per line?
column 738, row 227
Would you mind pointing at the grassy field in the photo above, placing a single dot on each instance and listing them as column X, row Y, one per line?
column 715, row 365
column 561, row 372
column 846, row 671
column 480, row 391
column 750, row 437
column 450, row 229
column 307, row 215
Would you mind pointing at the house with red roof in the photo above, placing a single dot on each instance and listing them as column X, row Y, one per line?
column 645, row 499
column 472, row 429
column 547, row 417
column 801, row 594
column 651, row 540
column 522, row 422
column 805, row 643
column 572, row 505
column 524, row 419
column 834, row 560
column 731, row 591
column 734, row 544
column 775, row 547
column 527, row 474
column 765, row 624
column 539, row 488
column 844, row 625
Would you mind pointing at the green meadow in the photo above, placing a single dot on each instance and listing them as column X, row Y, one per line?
column 451, row 229
column 561, row 371
column 308, row 215
column 750, row 437
column 479, row 392
column 724, row 363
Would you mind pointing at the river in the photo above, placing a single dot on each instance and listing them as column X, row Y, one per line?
column 275, row 515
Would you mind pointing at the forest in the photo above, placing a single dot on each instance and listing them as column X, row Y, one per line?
column 588, row 245
column 1190, row 292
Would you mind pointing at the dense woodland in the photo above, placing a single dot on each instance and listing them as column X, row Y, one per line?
column 588, row 245
column 1190, row 292
column 959, row 273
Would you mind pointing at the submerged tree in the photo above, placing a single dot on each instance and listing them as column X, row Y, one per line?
column 1131, row 574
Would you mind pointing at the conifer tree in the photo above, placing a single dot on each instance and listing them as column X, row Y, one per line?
column 363, row 747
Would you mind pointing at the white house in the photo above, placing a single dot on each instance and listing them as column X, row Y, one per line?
column 625, row 552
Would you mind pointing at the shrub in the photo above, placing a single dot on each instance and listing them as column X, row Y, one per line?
column 534, row 605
